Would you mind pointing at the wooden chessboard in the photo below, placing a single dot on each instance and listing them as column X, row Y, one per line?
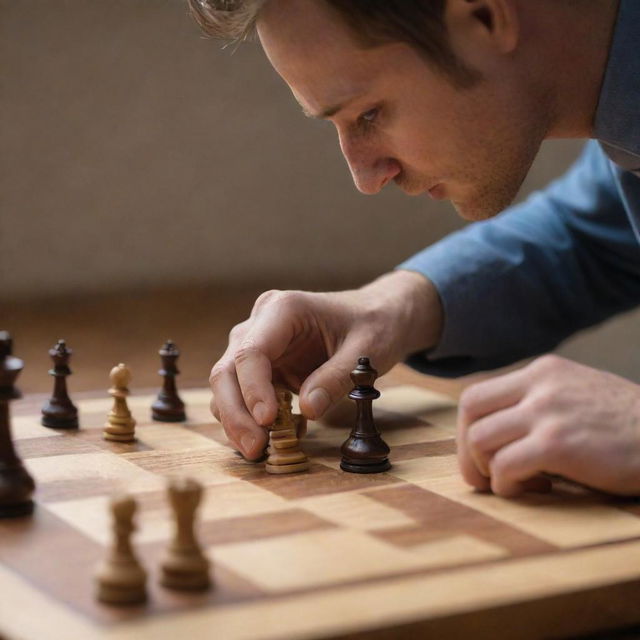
column 409, row 553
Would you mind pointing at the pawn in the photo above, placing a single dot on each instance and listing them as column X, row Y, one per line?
column 284, row 453
column 168, row 407
column 120, row 426
column 59, row 412
column 120, row 579
column 184, row 566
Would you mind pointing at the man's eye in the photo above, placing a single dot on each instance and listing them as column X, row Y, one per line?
column 369, row 116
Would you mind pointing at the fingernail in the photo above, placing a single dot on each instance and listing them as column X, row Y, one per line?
column 319, row 400
column 247, row 441
column 260, row 412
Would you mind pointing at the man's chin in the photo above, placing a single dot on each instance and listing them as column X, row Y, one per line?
column 478, row 208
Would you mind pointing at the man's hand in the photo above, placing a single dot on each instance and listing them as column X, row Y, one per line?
column 553, row 416
column 310, row 343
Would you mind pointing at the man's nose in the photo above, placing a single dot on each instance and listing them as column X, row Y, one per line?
column 371, row 171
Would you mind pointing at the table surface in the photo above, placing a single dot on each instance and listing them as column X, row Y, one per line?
column 322, row 554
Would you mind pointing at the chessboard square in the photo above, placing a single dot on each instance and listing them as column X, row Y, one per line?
column 88, row 515
column 458, row 550
column 414, row 433
column 207, row 465
column 237, row 499
column 561, row 519
column 315, row 559
column 197, row 405
column 355, row 511
column 411, row 400
column 23, row 427
column 423, row 470
column 172, row 437
column 77, row 476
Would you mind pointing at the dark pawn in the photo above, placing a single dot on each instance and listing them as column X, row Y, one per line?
column 168, row 407
column 364, row 451
column 16, row 485
column 59, row 412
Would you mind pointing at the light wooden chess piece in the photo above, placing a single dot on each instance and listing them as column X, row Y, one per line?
column 184, row 566
column 285, row 455
column 120, row 426
column 120, row 579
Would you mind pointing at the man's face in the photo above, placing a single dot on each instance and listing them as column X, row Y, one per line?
column 398, row 118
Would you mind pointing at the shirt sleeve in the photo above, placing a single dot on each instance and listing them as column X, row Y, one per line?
column 517, row 285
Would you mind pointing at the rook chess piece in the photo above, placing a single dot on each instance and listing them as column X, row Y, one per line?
column 364, row 451
column 120, row 579
column 16, row 485
column 285, row 455
column 59, row 412
column 120, row 426
column 168, row 407
column 185, row 567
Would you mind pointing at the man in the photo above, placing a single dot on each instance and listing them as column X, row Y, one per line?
column 452, row 98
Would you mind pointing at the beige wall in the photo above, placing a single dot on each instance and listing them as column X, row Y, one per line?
column 134, row 153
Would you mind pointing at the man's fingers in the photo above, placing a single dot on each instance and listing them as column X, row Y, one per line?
column 514, row 467
column 493, row 395
column 268, row 338
column 485, row 436
column 331, row 381
column 240, row 427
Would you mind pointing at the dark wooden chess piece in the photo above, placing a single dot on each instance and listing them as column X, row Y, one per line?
column 168, row 407
column 16, row 485
column 364, row 451
column 59, row 412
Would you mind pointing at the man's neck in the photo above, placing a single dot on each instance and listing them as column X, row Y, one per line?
column 581, row 32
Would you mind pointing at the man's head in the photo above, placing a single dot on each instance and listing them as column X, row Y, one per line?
column 444, row 97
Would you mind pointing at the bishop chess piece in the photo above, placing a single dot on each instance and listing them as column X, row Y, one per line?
column 59, row 412
column 168, row 407
column 120, row 579
column 284, row 453
column 184, row 566
column 120, row 425
column 16, row 485
column 364, row 451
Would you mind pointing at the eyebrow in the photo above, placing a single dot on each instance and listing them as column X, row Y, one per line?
column 330, row 111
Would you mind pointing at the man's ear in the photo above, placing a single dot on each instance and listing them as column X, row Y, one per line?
column 493, row 23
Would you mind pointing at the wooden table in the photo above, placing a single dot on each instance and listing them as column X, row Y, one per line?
column 409, row 553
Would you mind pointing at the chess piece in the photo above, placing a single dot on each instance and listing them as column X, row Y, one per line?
column 59, row 412
column 284, row 453
column 168, row 407
column 16, row 485
column 364, row 451
column 120, row 579
column 120, row 426
column 184, row 566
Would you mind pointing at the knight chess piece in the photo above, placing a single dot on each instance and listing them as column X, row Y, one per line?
column 59, row 412
column 364, row 451
column 168, row 407
column 120, row 579
column 16, row 485
column 284, row 453
column 184, row 566
column 120, row 425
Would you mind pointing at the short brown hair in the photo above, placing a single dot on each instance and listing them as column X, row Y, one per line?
column 419, row 23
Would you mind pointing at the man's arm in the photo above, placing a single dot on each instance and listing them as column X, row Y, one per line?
column 517, row 285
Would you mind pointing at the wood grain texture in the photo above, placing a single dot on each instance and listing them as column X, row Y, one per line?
column 324, row 554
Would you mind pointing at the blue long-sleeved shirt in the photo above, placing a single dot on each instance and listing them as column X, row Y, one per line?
column 567, row 258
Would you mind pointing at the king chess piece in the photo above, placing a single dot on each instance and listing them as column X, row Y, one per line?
column 120, row 425
column 16, row 485
column 184, row 566
column 59, row 412
column 364, row 451
column 168, row 407
column 120, row 579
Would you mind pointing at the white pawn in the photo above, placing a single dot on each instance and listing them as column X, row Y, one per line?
column 120, row 579
column 184, row 566
column 121, row 426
